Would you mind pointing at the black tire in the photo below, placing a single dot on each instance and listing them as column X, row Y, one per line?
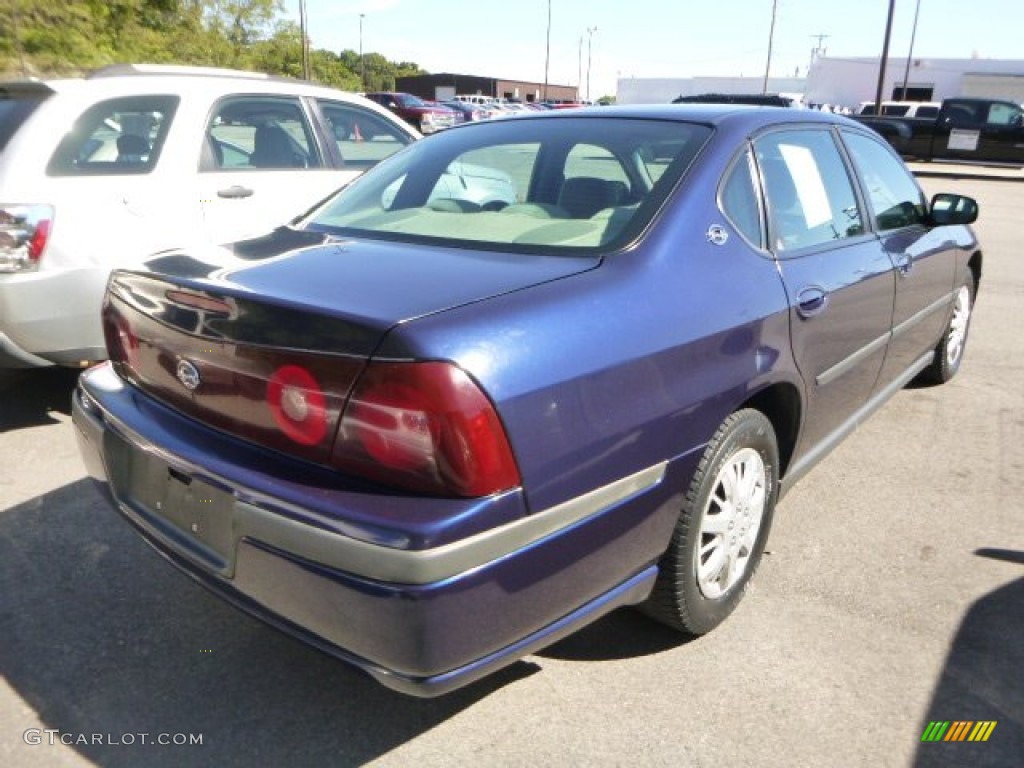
column 949, row 352
column 683, row 598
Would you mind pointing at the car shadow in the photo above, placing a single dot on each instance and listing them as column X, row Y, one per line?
column 983, row 680
column 99, row 636
column 30, row 397
column 623, row 634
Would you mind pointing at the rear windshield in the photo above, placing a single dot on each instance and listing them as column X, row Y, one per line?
column 15, row 107
column 528, row 184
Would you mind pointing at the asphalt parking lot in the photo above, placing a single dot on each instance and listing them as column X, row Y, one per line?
column 892, row 596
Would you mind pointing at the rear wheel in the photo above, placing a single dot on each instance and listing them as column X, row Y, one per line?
column 950, row 350
column 721, row 531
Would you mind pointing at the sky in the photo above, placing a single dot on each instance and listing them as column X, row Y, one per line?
column 655, row 38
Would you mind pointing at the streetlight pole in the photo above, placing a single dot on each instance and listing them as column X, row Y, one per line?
column 362, row 61
column 771, row 38
column 590, row 44
column 547, row 53
column 579, row 70
column 910, row 53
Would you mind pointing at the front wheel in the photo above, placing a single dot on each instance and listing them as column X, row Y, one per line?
column 722, row 528
column 949, row 352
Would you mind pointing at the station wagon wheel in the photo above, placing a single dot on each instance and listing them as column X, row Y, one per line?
column 721, row 531
column 950, row 350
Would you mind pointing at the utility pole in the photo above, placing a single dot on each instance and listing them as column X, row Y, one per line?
column 910, row 54
column 305, row 39
column 771, row 37
column 818, row 50
column 885, row 58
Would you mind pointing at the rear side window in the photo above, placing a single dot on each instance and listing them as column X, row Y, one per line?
column 259, row 132
column 738, row 199
column 14, row 110
column 115, row 137
column 811, row 200
column 895, row 199
column 363, row 138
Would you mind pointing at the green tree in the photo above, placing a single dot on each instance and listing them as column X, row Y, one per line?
column 75, row 36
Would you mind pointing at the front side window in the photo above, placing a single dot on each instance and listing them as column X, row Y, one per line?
column 895, row 199
column 1004, row 114
column 259, row 132
column 810, row 198
column 115, row 137
column 364, row 138
column 524, row 184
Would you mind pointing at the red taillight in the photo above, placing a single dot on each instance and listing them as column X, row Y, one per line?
column 298, row 404
column 122, row 343
column 425, row 427
column 24, row 232
column 37, row 243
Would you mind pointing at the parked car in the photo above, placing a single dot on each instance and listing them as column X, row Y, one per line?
column 427, row 117
column 928, row 109
column 430, row 438
column 97, row 172
column 470, row 113
column 964, row 129
column 754, row 99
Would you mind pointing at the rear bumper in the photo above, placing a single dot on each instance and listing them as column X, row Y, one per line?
column 52, row 317
column 420, row 619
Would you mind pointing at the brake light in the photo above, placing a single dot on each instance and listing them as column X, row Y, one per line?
column 122, row 343
column 24, row 233
column 425, row 427
column 298, row 404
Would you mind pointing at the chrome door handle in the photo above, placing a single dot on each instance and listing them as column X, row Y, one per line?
column 904, row 263
column 235, row 192
column 811, row 301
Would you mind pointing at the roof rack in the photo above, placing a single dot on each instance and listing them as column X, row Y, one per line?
column 120, row 70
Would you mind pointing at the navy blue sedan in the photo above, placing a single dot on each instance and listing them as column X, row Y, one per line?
column 431, row 437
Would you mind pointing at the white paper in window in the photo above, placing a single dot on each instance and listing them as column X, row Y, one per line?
column 810, row 188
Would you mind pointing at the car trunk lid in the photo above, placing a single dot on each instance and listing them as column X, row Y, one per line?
column 266, row 339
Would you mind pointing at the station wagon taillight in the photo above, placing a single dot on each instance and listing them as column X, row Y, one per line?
column 425, row 427
column 24, row 233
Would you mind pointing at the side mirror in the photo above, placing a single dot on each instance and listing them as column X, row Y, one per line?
column 947, row 209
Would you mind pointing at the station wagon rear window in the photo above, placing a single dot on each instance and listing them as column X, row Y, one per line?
column 530, row 184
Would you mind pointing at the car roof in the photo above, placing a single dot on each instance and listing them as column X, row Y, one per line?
column 143, row 78
column 711, row 114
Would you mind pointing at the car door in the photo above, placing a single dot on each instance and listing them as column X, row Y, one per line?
column 110, row 173
column 1003, row 133
column 838, row 278
column 923, row 258
column 260, row 166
